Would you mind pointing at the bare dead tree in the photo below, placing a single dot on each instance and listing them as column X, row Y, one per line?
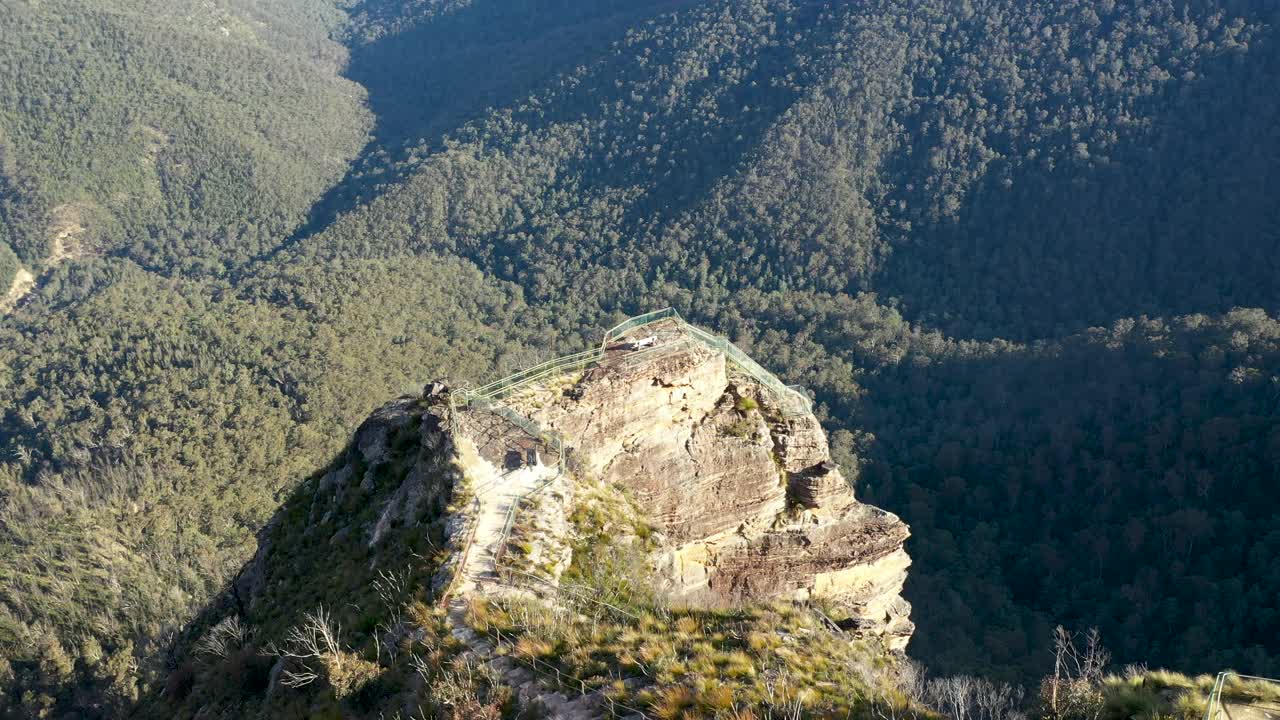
column 1087, row 663
column 952, row 696
column 997, row 701
column 962, row 697
column 223, row 638
column 314, row 641
column 391, row 588
column 911, row 680
column 898, row 690
column 1073, row 689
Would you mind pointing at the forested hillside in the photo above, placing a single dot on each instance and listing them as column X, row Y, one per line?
column 1023, row 252
column 187, row 136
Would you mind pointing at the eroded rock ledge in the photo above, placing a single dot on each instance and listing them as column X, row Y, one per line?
column 748, row 500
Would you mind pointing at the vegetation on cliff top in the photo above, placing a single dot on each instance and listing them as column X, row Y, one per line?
column 607, row 628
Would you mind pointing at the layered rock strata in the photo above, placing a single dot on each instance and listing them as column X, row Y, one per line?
column 748, row 500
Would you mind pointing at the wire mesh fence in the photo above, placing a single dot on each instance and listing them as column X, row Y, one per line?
column 509, row 522
column 630, row 324
column 511, row 384
column 456, row 580
column 792, row 400
column 669, row 348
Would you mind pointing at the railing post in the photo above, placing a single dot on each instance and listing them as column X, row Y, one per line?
column 1215, row 696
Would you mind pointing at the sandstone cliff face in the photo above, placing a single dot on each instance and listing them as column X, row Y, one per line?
column 665, row 430
column 748, row 500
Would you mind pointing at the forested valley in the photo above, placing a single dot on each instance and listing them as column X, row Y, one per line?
column 1023, row 253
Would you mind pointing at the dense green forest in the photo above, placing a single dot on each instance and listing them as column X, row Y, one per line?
column 1024, row 253
column 8, row 266
column 186, row 136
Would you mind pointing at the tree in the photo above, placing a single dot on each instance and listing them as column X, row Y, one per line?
column 1073, row 691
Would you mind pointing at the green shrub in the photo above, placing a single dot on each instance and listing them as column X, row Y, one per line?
column 347, row 673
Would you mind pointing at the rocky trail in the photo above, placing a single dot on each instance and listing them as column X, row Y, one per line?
column 496, row 492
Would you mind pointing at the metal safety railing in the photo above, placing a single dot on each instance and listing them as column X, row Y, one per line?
column 509, row 522
column 668, row 348
column 461, row 564
column 465, row 552
column 504, row 387
column 478, row 399
column 1213, row 708
column 630, row 324
column 792, row 400
column 550, row 438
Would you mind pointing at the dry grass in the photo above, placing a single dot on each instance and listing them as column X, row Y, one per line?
column 1165, row 694
column 1249, row 690
column 688, row 663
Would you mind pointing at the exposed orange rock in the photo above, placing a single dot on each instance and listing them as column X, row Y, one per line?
column 749, row 502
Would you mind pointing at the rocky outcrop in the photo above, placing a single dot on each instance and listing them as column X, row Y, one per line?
column 668, row 431
column 670, row 452
column 23, row 283
column 748, row 500
column 397, row 477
